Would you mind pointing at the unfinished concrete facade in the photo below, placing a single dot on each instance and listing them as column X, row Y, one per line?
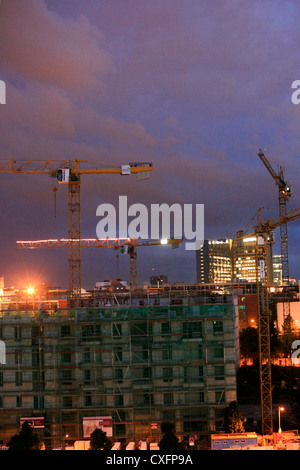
column 140, row 365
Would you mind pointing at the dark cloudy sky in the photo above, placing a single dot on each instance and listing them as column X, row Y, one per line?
column 194, row 86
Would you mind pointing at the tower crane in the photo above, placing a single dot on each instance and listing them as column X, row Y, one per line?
column 69, row 172
column 284, row 194
column 264, row 239
column 125, row 245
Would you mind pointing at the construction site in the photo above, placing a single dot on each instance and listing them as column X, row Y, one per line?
column 138, row 365
column 132, row 360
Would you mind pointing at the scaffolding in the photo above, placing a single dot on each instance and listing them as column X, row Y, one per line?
column 138, row 364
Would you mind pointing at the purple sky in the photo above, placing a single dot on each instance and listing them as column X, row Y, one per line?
column 196, row 87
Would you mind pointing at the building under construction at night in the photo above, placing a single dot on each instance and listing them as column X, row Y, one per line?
column 163, row 359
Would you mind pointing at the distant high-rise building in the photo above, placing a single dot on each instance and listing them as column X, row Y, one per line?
column 226, row 260
column 244, row 259
column 277, row 270
column 243, row 254
column 214, row 261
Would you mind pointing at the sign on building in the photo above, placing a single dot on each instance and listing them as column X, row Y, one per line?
column 2, row 352
column 262, row 269
column 98, row 422
column 36, row 422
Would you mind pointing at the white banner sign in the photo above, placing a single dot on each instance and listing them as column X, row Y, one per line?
column 97, row 422
column 262, row 269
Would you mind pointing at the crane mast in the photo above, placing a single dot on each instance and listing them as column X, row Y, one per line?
column 74, row 234
column 263, row 248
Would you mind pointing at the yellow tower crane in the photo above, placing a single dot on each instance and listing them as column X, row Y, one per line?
column 263, row 232
column 125, row 245
column 284, row 195
column 69, row 172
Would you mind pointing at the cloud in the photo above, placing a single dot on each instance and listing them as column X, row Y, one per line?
column 40, row 109
column 41, row 46
column 220, row 61
column 195, row 87
column 120, row 133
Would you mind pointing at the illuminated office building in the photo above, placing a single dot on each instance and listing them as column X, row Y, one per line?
column 244, row 259
column 227, row 260
column 277, row 270
column 243, row 254
column 214, row 261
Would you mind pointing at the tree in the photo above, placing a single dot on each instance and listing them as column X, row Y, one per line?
column 99, row 440
column 288, row 335
column 169, row 441
column 233, row 419
column 275, row 344
column 25, row 440
column 249, row 343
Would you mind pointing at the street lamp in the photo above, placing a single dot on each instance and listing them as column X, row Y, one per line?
column 280, row 408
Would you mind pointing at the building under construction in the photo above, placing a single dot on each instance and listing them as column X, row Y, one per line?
column 140, row 365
